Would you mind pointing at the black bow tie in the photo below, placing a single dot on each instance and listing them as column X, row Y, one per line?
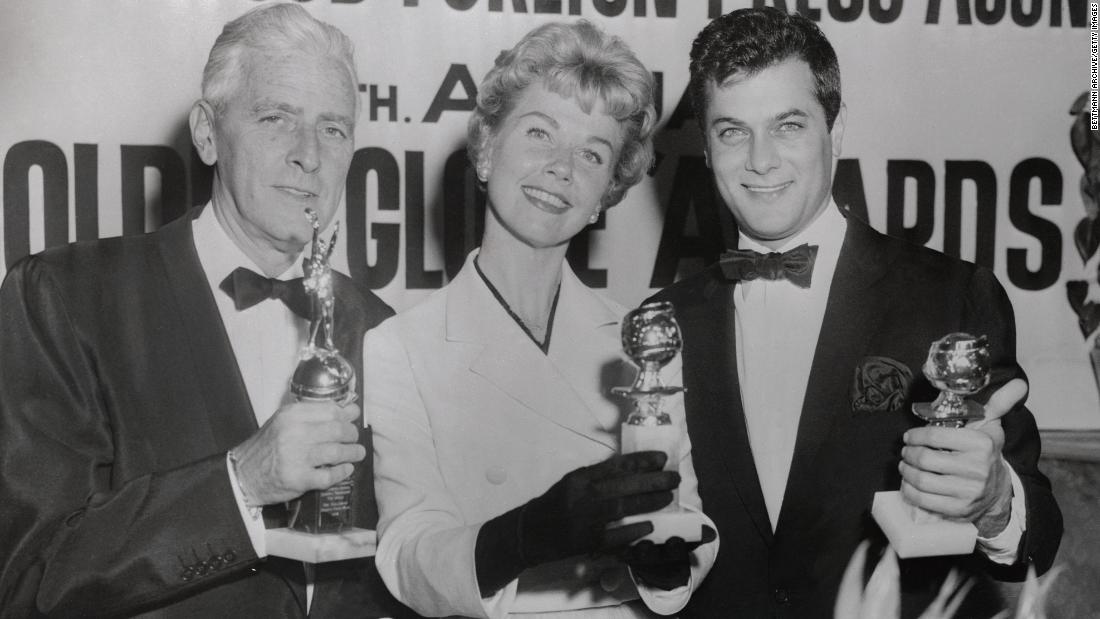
column 796, row 265
column 247, row 288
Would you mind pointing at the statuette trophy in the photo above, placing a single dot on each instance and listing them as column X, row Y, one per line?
column 957, row 365
column 320, row 523
column 651, row 338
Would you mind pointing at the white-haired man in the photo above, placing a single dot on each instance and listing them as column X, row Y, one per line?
column 144, row 414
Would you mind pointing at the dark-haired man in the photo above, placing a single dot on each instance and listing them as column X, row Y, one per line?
column 801, row 361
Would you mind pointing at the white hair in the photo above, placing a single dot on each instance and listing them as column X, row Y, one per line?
column 271, row 28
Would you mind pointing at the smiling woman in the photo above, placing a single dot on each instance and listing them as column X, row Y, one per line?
column 562, row 129
column 548, row 168
column 495, row 465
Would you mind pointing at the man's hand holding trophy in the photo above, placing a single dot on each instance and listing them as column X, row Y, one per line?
column 955, row 483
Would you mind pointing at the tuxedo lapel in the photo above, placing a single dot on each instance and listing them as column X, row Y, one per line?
column 212, row 364
column 715, row 414
column 499, row 346
column 853, row 312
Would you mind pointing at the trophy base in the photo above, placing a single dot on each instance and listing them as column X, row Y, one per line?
column 927, row 536
column 350, row 543
column 686, row 525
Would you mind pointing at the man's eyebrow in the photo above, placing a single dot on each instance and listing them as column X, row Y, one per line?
column 267, row 104
column 338, row 118
column 792, row 113
column 728, row 120
column 784, row 115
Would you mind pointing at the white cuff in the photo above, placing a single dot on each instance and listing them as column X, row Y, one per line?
column 253, row 517
column 1002, row 548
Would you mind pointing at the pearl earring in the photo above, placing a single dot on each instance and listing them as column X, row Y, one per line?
column 594, row 218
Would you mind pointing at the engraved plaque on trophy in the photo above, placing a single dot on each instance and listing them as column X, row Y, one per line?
column 957, row 365
column 651, row 338
column 320, row 523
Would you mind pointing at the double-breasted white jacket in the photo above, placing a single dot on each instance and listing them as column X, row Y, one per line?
column 472, row 419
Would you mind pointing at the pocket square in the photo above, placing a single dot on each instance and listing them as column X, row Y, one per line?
column 880, row 384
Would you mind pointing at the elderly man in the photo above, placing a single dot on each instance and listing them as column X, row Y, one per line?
column 144, row 408
column 802, row 357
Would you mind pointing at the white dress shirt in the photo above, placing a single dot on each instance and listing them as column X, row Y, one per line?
column 777, row 327
column 266, row 339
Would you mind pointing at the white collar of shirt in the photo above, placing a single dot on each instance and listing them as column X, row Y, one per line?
column 220, row 256
column 827, row 232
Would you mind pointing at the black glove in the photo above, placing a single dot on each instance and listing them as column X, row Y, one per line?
column 571, row 517
column 667, row 565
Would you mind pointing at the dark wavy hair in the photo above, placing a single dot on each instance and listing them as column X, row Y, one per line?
column 580, row 61
column 747, row 41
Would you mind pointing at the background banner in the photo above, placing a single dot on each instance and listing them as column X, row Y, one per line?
column 959, row 137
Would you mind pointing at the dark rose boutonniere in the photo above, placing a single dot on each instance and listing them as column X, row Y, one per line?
column 880, row 384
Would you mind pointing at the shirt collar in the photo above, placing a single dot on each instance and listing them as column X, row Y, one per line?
column 220, row 256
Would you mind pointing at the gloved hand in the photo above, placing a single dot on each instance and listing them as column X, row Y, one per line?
column 571, row 517
column 667, row 565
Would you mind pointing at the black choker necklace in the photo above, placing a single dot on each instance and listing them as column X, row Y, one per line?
column 544, row 345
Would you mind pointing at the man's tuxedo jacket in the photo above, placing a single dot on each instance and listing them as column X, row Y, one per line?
column 888, row 299
column 119, row 399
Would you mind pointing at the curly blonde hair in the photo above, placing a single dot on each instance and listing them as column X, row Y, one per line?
column 580, row 61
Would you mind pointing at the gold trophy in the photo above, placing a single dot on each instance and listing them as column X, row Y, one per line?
column 957, row 365
column 320, row 523
column 651, row 338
